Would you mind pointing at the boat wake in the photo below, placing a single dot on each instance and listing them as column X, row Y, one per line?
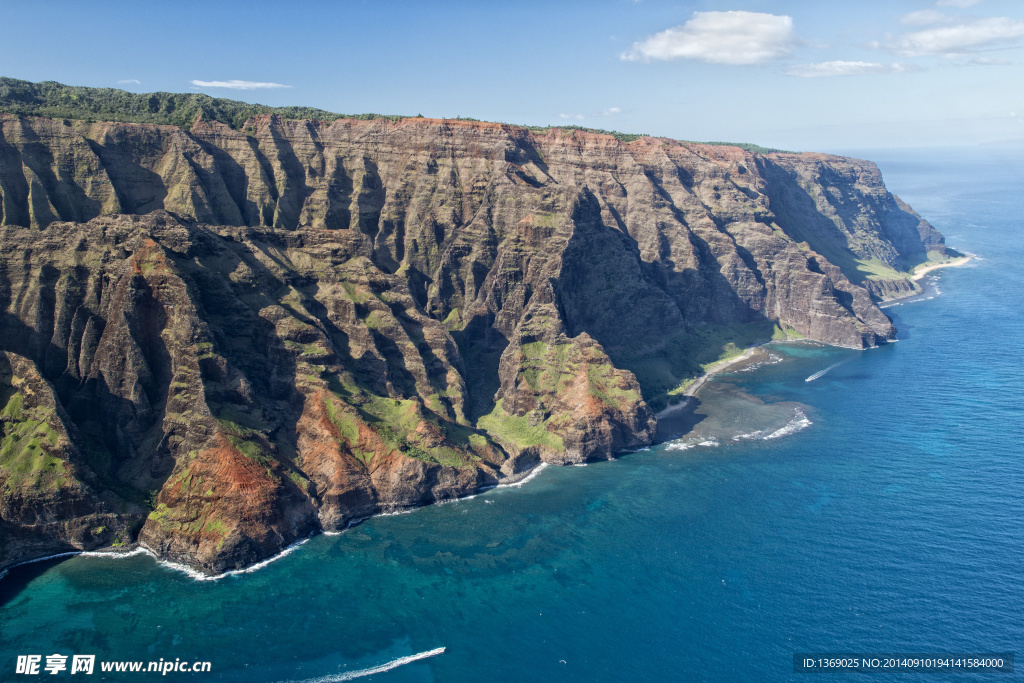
column 394, row 664
column 821, row 373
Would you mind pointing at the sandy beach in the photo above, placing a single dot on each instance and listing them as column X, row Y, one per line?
column 716, row 367
column 921, row 271
column 919, row 274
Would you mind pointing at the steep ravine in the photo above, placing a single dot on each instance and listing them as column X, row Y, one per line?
column 219, row 341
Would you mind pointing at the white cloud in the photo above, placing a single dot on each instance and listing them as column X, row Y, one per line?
column 991, row 61
column 958, row 39
column 926, row 17
column 843, row 68
column 238, row 85
column 957, row 3
column 129, row 81
column 732, row 37
column 610, row 111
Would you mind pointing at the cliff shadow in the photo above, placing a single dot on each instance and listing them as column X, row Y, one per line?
column 248, row 342
column 20, row 576
column 235, row 181
column 481, row 346
column 14, row 207
column 62, row 193
column 139, row 190
column 295, row 192
column 659, row 323
column 434, row 368
column 108, row 431
column 799, row 218
column 679, row 420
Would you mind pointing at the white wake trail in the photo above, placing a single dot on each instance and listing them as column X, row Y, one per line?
column 821, row 373
column 394, row 664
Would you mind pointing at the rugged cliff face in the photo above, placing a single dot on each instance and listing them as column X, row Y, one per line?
column 220, row 341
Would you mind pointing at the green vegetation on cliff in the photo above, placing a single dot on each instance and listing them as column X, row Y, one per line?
column 623, row 137
column 746, row 146
column 517, row 431
column 27, row 439
column 80, row 103
column 403, row 425
column 59, row 101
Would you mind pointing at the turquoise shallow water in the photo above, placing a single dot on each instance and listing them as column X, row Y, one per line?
column 892, row 522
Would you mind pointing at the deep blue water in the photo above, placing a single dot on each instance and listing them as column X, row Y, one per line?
column 893, row 522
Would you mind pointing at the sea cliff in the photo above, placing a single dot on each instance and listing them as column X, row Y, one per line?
column 219, row 340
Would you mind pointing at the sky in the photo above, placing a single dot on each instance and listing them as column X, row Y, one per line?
column 798, row 75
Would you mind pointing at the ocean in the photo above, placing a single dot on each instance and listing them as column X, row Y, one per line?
column 876, row 508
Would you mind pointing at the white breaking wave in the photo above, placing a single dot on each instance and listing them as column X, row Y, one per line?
column 394, row 664
column 114, row 555
column 50, row 557
column 449, row 501
column 683, row 445
column 531, row 475
column 199, row 576
column 799, row 422
column 771, row 360
column 821, row 373
column 392, row 513
column 759, row 434
column 192, row 573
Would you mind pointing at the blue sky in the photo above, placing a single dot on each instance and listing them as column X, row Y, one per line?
column 805, row 75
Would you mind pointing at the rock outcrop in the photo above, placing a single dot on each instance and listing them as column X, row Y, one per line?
column 220, row 341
